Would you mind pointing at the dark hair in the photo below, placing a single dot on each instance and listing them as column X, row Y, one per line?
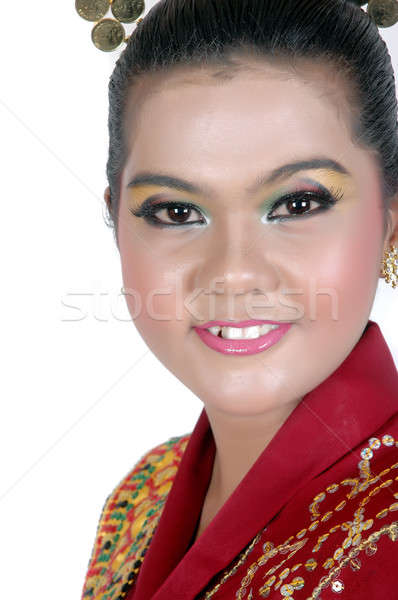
column 191, row 32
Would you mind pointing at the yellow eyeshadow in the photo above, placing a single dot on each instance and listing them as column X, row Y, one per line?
column 139, row 193
column 326, row 177
column 332, row 179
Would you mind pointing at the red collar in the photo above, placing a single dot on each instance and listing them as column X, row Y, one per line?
column 331, row 420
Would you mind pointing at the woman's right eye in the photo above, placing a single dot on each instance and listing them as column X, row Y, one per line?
column 176, row 213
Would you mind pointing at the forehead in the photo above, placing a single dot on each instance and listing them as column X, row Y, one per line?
column 238, row 112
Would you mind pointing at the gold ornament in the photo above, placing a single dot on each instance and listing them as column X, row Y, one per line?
column 127, row 11
column 383, row 12
column 92, row 10
column 390, row 266
column 108, row 34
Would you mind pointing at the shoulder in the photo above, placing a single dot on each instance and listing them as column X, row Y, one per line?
column 157, row 465
column 339, row 532
column 130, row 514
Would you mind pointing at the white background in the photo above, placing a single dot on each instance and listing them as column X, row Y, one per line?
column 81, row 400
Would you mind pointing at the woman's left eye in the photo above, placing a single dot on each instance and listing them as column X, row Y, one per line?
column 176, row 213
column 298, row 204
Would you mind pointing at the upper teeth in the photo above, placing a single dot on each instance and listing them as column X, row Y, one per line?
column 242, row 333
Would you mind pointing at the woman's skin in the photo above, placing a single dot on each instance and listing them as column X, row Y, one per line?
column 222, row 134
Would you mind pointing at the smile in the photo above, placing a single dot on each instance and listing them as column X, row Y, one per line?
column 241, row 333
column 243, row 340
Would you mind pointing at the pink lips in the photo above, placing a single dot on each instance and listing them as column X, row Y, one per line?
column 241, row 347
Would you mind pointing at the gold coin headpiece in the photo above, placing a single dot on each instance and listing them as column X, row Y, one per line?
column 108, row 33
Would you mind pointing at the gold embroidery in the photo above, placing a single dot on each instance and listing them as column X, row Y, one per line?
column 390, row 530
column 228, row 574
column 354, row 530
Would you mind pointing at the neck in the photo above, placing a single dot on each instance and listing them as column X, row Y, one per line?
column 239, row 442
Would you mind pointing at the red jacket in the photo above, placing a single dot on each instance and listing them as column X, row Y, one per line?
column 315, row 517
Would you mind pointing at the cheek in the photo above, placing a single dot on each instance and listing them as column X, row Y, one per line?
column 360, row 266
column 151, row 276
column 348, row 265
column 152, row 283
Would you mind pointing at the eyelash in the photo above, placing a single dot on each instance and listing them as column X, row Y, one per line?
column 325, row 198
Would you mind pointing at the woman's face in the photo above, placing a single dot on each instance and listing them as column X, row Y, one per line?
column 226, row 140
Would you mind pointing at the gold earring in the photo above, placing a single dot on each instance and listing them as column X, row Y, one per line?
column 390, row 266
column 122, row 290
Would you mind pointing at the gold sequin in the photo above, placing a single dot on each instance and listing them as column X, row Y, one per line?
column 338, row 553
column 264, row 591
column 373, row 480
column 332, row 488
column 297, row 583
column 347, row 543
column 284, row 573
column 355, row 564
column 367, row 524
column 366, row 453
column 382, row 513
column 374, row 443
column 328, row 564
column 287, row 590
column 384, row 472
column 388, row 440
column 356, row 539
column 337, row 586
column 311, row 564
column 320, row 497
column 371, row 549
column 327, row 516
column 301, row 533
column 386, row 483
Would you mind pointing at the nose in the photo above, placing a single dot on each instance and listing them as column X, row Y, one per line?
column 237, row 265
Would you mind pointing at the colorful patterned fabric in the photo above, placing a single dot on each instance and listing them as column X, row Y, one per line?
column 315, row 517
column 129, row 517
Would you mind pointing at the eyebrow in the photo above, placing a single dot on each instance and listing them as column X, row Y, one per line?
column 147, row 178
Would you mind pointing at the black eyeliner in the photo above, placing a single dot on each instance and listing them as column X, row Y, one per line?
column 149, row 207
column 324, row 197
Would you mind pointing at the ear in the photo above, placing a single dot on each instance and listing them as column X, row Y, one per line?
column 392, row 236
column 107, row 196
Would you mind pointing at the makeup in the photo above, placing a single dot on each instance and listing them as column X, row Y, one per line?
column 300, row 197
column 242, row 347
column 153, row 205
column 295, row 201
